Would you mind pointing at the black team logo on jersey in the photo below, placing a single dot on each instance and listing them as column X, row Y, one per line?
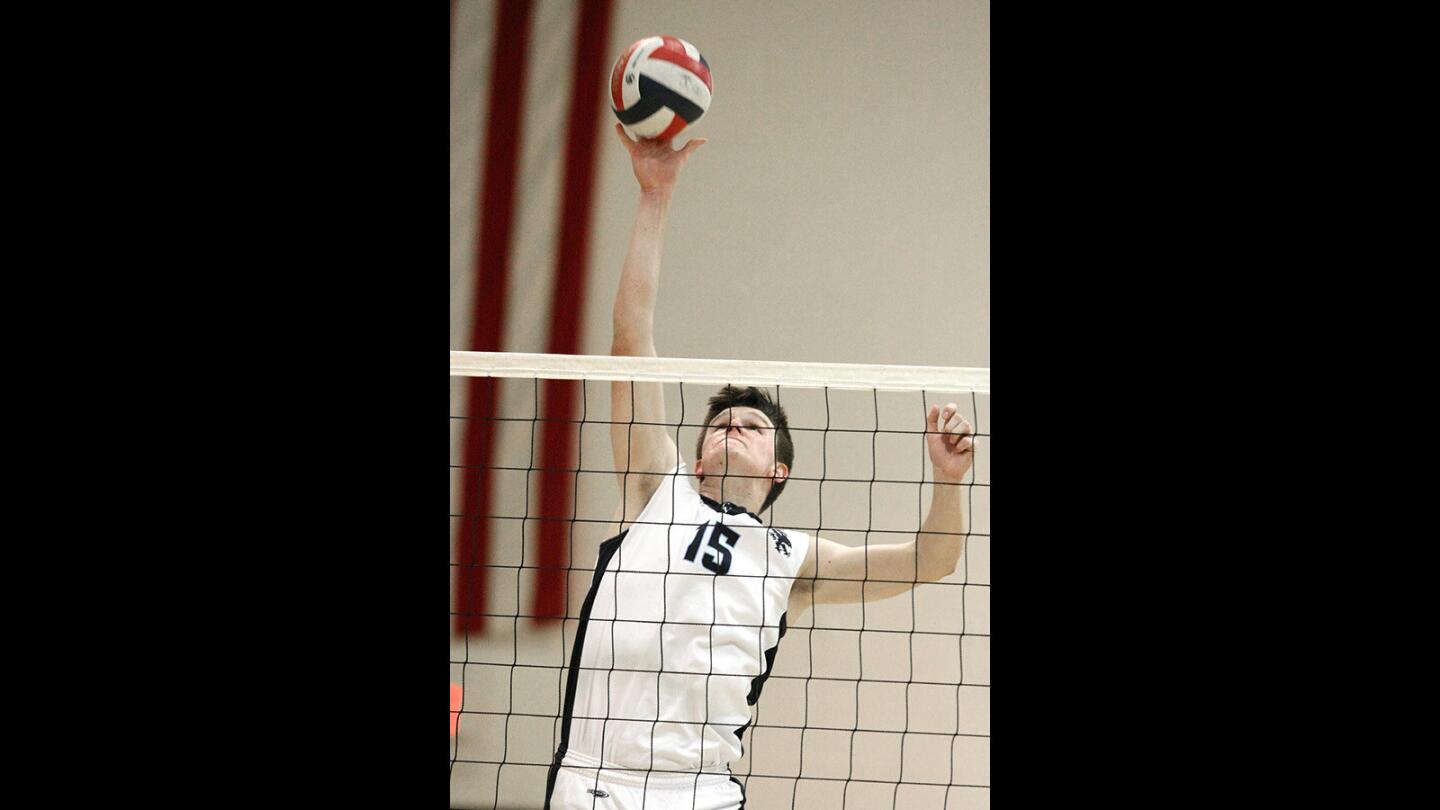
column 782, row 543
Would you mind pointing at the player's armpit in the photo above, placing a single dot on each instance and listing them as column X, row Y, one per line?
column 642, row 447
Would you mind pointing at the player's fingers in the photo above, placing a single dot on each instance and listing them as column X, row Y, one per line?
column 933, row 419
column 625, row 139
column 695, row 143
column 958, row 432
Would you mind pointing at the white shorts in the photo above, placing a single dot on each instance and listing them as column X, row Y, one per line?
column 579, row 784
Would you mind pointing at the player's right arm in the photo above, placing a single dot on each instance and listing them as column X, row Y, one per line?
column 643, row 448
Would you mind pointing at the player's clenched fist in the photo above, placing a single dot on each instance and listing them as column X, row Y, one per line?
column 952, row 445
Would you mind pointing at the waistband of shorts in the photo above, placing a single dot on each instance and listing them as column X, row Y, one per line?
column 641, row 777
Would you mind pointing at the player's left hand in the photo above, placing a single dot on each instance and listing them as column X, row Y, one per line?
column 952, row 447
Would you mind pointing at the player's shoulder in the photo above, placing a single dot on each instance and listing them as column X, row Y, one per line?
column 787, row 541
column 788, row 532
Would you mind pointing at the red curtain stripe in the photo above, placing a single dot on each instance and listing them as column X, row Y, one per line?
column 492, row 260
column 560, row 438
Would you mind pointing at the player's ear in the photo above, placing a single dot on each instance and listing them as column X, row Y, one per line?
column 782, row 472
column 699, row 469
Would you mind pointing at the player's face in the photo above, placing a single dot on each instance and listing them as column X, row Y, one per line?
column 740, row 440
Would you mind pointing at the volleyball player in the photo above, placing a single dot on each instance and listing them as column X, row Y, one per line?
column 689, row 602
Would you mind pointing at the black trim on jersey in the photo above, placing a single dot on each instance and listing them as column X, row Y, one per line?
column 740, row 734
column 730, row 508
column 607, row 550
column 742, row 791
column 759, row 681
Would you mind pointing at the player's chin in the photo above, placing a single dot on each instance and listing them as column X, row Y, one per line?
column 739, row 470
column 735, row 463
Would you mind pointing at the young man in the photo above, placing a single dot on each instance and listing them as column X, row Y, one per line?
column 688, row 604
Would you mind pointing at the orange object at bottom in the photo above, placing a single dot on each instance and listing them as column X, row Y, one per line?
column 455, row 701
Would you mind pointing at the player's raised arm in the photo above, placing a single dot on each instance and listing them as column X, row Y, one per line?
column 838, row 573
column 643, row 447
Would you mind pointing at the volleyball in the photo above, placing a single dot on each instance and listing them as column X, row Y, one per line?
column 659, row 86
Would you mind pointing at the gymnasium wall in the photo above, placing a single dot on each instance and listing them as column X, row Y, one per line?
column 839, row 213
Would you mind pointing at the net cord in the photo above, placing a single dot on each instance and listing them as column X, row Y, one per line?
column 847, row 376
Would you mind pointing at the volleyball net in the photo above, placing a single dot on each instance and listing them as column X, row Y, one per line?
column 879, row 703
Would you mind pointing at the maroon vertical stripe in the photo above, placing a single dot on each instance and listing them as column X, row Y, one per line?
column 502, row 148
column 587, row 94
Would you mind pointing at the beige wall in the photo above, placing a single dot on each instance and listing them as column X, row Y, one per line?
column 843, row 204
column 845, row 188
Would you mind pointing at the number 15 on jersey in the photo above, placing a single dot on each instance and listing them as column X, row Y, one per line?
column 721, row 536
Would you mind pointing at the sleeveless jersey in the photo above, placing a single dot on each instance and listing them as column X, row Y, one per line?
column 677, row 634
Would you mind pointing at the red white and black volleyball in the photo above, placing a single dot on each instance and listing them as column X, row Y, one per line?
column 659, row 86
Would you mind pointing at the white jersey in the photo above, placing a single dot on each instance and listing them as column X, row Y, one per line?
column 677, row 635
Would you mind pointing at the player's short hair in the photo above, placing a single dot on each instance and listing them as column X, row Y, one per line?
column 735, row 397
